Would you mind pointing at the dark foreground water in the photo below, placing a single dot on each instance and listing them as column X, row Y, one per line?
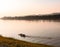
column 11, row 28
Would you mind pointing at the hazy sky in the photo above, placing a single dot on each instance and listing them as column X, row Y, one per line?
column 28, row 7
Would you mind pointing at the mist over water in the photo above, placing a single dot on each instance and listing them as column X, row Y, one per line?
column 40, row 28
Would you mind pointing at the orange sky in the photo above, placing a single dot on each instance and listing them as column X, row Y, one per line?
column 28, row 7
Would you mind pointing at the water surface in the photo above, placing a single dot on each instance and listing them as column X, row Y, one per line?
column 11, row 28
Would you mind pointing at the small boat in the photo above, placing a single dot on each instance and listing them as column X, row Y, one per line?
column 22, row 35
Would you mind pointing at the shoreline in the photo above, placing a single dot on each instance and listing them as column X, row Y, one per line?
column 11, row 42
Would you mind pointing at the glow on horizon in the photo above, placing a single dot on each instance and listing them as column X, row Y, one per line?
column 28, row 7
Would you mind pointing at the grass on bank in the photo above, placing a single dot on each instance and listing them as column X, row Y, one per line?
column 10, row 42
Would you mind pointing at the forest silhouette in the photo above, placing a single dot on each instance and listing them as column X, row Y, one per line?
column 53, row 16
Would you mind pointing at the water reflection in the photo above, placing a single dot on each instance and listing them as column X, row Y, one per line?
column 36, row 20
column 45, row 28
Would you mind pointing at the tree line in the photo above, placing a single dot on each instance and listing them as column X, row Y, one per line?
column 54, row 16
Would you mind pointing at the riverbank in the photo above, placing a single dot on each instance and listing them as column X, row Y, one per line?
column 10, row 42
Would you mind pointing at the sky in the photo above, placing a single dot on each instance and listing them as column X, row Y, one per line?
column 28, row 7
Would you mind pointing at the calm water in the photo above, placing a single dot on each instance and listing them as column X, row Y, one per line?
column 11, row 28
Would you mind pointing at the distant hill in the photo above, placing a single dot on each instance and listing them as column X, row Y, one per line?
column 10, row 42
column 54, row 16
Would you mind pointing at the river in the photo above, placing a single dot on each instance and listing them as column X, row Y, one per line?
column 42, row 28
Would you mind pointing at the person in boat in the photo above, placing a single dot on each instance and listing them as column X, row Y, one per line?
column 22, row 35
